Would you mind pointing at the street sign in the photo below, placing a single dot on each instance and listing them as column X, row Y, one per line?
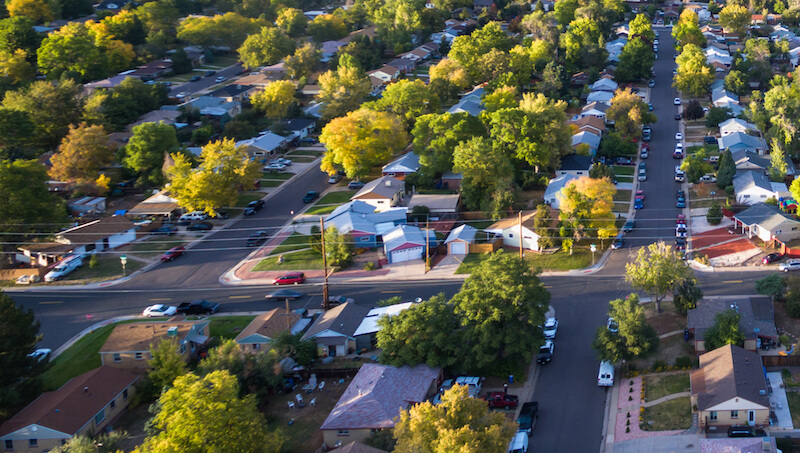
column 593, row 248
column 123, row 259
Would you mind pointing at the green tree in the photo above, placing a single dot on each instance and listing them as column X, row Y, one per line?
column 736, row 82
column 327, row 27
column 406, row 99
column 485, row 169
column 214, row 184
column 686, row 295
column 238, row 130
column 501, row 305
column 714, row 214
column 37, row 10
column 427, row 333
column 735, row 17
column 600, row 170
column 26, row 205
column 291, row 21
column 145, row 152
column 196, row 413
column 657, row 270
column 103, row 443
column 724, row 331
column 228, row 30
column 19, row 333
column 18, row 33
column 123, row 105
column 16, row 129
column 778, row 168
column 687, row 30
column 267, row 47
column 613, row 145
column 726, row 170
column 641, row 26
column 458, row 422
column 52, row 108
column 693, row 110
column 180, row 62
column 467, row 50
column 250, row 369
column 581, row 44
column 634, row 337
column 542, row 226
column 302, row 62
column 275, row 99
column 365, row 51
column 359, row 141
column 772, row 285
column 166, row 363
column 629, row 113
column 342, row 90
column 717, row 115
column 338, row 248
column 635, row 61
column 694, row 73
column 437, row 135
column 82, row 154
column 552, row 82
column 72, row 49
column 302, row 351
column 565, row 12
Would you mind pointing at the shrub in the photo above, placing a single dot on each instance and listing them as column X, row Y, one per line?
column 369, row 266
column 702, row 259
column 714, row 215
column 659, row 365
column 793, row 305
column 784, row 339
column 93, row 262
column 683, row 362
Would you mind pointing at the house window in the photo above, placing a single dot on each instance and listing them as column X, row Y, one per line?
column 712, row 415
column 125, row 394
column 9, row 444
column 33, row 443
column 183, row 348
column 734, row 414
column 763, row 196
column 580, row 172
column 100, row 416
column 139, row 356
column 390, row 174
column 511, row 235
column 117, row 357
column 364, row 239
column 113, row 404
column 343, row 432
column 256, row 346
column 745, row 196
column 380, row 201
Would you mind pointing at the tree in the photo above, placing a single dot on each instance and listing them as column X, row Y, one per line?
column 365, row 51
column 635, row 61
column 717, row 115
column 229, row 30
column 166, row 364
column 123, row 105
column 601, row 170
column 16, row 129
column 275, row 99
column 223, row 169
column 26, row 205
column 72, row 49
column 687, row 30
column 238, row 130
column 565, row 12
column 629, row 113
column 426, row 333
column 586, row 205
column 267, row 47
column 103, row 443
column 255, row 372
column 338, row 247
column 542, row 26
column 552, row 82
column 302, row 351
column 452, row 71
column 735, row 18
column 18, row 33
column 694, row 73
column 291, row 21
column 406, row 99
column 778, row 168
column 467, row 50
column 359, row 141
column 613, row 145
column 437, row 135
column 326, row 27
column 501, row 306
column 207, row 414
column 634, row 337
column 19, row 333
column 302, row 62
column 640, row 26
column 37, row 10
column 15, row 66
column 686, row 295
column 772, row 285
column 485, row 169
column 180, row 62
column 581, row 44
column 82, row 154
column 542, row 226
column 714, row 214
column 342, row 91
column 724, row 331
column 145, row 151
column 460, row 423
column 736, row 81
column 657, row 270
column 693, row 110
column 727, row 170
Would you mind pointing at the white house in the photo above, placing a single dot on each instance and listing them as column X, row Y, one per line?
column 576, row 165
column 767, row 223
column 722, row 97
column 753, row 186
column 732, row 125
column 597, row 109
column 265, row 144
column 513, row 234
column 604, row 84
column 555, row 187
column 600, row 96
column 382, row 193
column 366, row 333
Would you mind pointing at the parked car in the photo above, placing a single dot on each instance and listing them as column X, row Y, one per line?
column 193, row 216
column 291, row 278
column 159, row 310
column 195, row 78
column 355, row 185
column 645, row 154
column 256, row 239
column 545, row 352
column 274, row 167
column 646, row 137
column 642, row 175
column 256, row 204
column 678, row 136
column 501, row 399
column 680, row 231
column 219, row 215
column 210, row 73
column 335, row 178
column 677, row 154
column 27, row 279
column 612, row 325
column 640, row 195
column 200, row 226
column 651, row 83
column 550, row 328
column 624, row 161
column 710, row 140
column 310, row 196
column 680, row 194
column 629, row 226
column 605, row 376
column 708, row 179
column 338, row 300
column 173, row 253
column 650, row 106
column 680, row 219
column 63, row 268
column 40, row 354
column 771, row 258
column 249, row 211
column 285, row 294
column 676, row 101
column 198, row 307
column 164, row 230
column 220, row 79
column 791, row 265
column 519, row 444
column 678, row 116
column 473, row 384
column 618, row 243
column 638, row 204
column 528, row 416
column 680, row 244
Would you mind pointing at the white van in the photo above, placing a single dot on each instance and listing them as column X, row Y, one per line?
column 192, row 216
column 605, row 377
column 519, row 444
column 63, row 268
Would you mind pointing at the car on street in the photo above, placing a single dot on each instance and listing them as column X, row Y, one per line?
column 678, row 116
column 791, row 265
column 310, row 196
column 629, row 226
column 218, row 215
column 200, row 226
column 680, row 230
column 27, row 279
column 680, row 244
column 285, row 294
column 680, row 194
column 519, row 443
column 256, row 204
column 159, row 310
column 550, row 328
column 651, row 83
column 677, row 154
column 645, row 153
column 164, row 230
column 338, row 300
column 650, row 106
column 680, row 219
column 335, row 178
column 546, row 352
column 642, row 175
column 676, row 101
column 198, row 307
column 640, row 195
column 210, row 73
column 256, row 239
column 290, row 278
column 355, row 185
column 612, row 325
column 528, row 416
column 638, row 204
column 501, row 400
column 618, row 243
column 646, row 137
column 647, row 130
column 40, row 354
column 680, row 176
column 249, row 211
column 220, row 79
column 771, row 258
column 195, row 78
column 173, row 253
column 678, row 136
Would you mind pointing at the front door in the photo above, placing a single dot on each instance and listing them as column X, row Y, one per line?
column 751, row 418
column 332, row 351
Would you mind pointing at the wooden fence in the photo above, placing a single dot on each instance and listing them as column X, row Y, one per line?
column 780, row 360
column 486, row 247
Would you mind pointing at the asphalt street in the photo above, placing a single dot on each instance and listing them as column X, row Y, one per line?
column 204, row 82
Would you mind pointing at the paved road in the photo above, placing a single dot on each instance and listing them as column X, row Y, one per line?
column 205, row 82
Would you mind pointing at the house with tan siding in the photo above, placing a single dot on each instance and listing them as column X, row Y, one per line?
column 128, row 346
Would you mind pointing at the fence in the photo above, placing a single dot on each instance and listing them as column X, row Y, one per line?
column 486, row 247
column 780, row 360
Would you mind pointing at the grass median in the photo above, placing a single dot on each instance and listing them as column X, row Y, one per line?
column 560, row 260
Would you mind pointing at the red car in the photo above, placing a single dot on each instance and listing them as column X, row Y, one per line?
column 173, row 253
column 500, row 399
column 681, row 219
column 640, row 195
column 292, row 278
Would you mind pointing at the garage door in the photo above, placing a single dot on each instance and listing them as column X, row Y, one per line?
column 458, row 248
column 408, row 254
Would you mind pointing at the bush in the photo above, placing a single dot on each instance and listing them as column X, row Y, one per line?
column 793, row 305
column 702, row 259
column 659, row 365
column 784, row 339
column 714, row 215
column 683, row 362
column 369, row 266
column 93, row 262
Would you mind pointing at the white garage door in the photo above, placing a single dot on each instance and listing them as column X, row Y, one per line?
column 458, row 248
column 406, row 255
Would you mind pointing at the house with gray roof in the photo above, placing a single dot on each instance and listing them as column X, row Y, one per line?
column 575, row 164
column 407, row 242
column 211, row 106
column 333, row 332
column 234, row 92
column 374, row 399
column 753, row 186
column 739, row 141
column 459, row 239
column 299, row 128
column 604, row 84
column 439, row 205
column 734, row 107
column 363, row 224
column 730, row 388
column 757, row 320
column 382, row 193
column 589, row 141
column 767, row 223
column 597, row 109
column 265, row 144
column 748, row 160
column 732, row 125
column 404, row 165
column 723, row 96
column 600, row 96
column 555, row 187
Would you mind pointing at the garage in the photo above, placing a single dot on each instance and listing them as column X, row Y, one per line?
column 398, row 256
column 459, row 239
column 458, row 248
column 406, row 243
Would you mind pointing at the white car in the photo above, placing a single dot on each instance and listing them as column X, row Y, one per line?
column 550, row 328
column 676, row 101
column 613, row 325
column 679, row 147
column 274, row 167
column 159, row 310
column 655, row 42
column 40, row 354
column 220, row 79
column 678, row 136
column 791, row 265
column 27, row 279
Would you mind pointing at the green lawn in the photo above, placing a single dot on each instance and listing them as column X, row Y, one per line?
column 280, row 176
column 623, row 195
column 228, row 327
column 794, row 406
column 321, row 210
column 271, row 183
column 303, row 152
column 666, row 384
column 329, row 202
column 77, row 359
column 154, row 246
column 621, row 207
column 560, row 260
column 296, row 241
column 624, row 169
column 303, row 159
column 108, row 267
column 296, row 261
column 247, row 197
column 224, row 62
column 672, row 414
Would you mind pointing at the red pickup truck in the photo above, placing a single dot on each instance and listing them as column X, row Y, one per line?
column 500, row 399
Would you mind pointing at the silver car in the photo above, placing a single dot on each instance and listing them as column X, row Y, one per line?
column 791, row 265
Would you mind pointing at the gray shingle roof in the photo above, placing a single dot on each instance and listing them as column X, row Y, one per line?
column 756, row 313
column 385, row 186
column 726, row 373
column 575, row 162
column 763, row 215
column 343, row 319
column 752, row 178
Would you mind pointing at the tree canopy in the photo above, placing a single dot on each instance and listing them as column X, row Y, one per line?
column 145, row 152
column 657, row 270
column 694, row 73
column 342, row 90
column 19, row 333
column 437, row 135
column 687, row 30
column 629, row 113
column 266, row 47
column 725, row 330
column 82, row 154
column 406, row 99
column 51, row 108
column 26, row 205
column 275, row 99
column 634, row 337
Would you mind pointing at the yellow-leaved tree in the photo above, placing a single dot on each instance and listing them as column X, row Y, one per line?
column 586, row 205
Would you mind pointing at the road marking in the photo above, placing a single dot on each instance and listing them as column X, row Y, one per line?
column 156, row 300
column 391, row 292
column 733, row 281
column 240, row 297
column 51, row 302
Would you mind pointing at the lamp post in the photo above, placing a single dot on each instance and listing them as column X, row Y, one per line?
column 124, row 260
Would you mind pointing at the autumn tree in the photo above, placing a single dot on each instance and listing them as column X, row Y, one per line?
column 228, row 30
column 406, row 99
column 460, row 423
column 452, row 71
column 326, row 27
column 292, row 21
column 629, row 112
column 224, row 168
column 360, row 140
column 657, row 270
column 342, row 90
column 634, row 336
column 72, row 49
column 694, row 73
column 275, row 99
column 267, row 47
column 37, row 10
column 15, row 66
column 302, row 62
column 486, row 171
column 687, row 30
column 82, row 154
column 145, row 152
column 586, row 205
column 166, row 364
column 735, row 18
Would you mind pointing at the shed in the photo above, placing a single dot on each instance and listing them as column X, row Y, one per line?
column 459, row 239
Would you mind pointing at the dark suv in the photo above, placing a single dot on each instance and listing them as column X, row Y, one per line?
column 256, row 239
column 256, row 204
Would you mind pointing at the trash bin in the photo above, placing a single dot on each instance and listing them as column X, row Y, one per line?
column 510, row 378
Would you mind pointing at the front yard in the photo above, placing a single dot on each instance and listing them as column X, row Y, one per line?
column 329, row 202
column 661, row 385
column 669, row 415
column 108, row 267
column 580, row 258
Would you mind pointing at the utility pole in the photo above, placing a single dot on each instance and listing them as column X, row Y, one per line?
column 288, row 317
column 521, row 256
column 427, row 241
column 325, row 300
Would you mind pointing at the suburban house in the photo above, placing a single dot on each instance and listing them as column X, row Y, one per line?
column 329, row 49
column 451, row 181
column 754, row 186
column 158, row 204
column 374, row 399
column 459, row 239
column 334, row 331
column 385, row 73
column 234, row 92
column 748, row 160
column 757, row 320
column 600, row 96
column 739, row 141
column 300, row 128
column 357, row 447
column 217, row 108
column 92, row 237
column 554, row 188
column 382, row 193
column 591, row 124
column 597, row 109
column 587, row 140
column 264, row 328
column 767, row 223
column 265, row 144
column 153, row 70
column 406, row 243
column 723, row 97
column 403, row 64
column 129, row 345
column 576, row 165
column 439, row 205
column 88, row 205
column 404, row 165
column 363, row 224
column 730, row 388
column 85, row 405
column 511, row 231
column 481, row 5
column 604, row 84
column 732, row 125
column 470, row 103
column 366, row 333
